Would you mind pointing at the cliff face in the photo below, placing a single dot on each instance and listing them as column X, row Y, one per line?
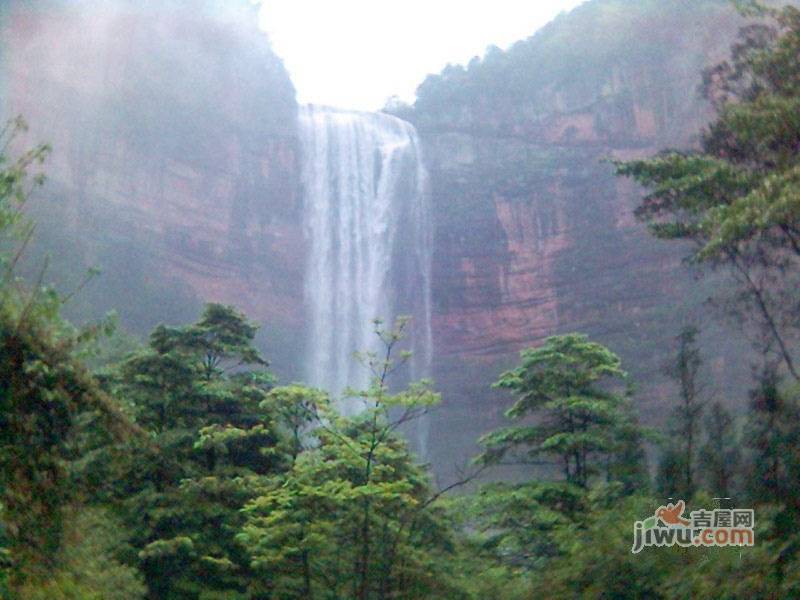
column 534, row 234
column 175, row 170
column 175, row 167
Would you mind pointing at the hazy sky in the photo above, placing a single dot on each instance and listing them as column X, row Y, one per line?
column 357, row 53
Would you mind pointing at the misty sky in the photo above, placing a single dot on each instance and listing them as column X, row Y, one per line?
column 357, row 53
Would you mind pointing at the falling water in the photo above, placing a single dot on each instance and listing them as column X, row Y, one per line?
column 367, row 218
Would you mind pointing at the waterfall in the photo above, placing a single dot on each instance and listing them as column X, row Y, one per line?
column 369, row 233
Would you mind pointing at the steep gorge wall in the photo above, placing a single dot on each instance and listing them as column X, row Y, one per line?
column 176, row 171
column 175, row 157
column 534, row 234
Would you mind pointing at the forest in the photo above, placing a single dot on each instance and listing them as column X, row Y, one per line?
column 180, row 467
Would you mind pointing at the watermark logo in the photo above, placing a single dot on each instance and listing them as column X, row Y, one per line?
column 704, row 528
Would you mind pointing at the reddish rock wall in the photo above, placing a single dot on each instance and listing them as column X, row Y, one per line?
column 174, row 150
column 534, row 234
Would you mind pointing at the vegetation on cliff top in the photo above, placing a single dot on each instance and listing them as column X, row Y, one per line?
column 585, row 54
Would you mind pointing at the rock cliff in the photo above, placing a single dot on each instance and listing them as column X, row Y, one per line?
column 534, row 235
column 175, row 169
column 174, row 166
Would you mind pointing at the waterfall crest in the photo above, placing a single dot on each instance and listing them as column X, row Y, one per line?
column 369, row 232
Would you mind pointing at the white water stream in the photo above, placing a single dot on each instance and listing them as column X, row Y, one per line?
column 369, row 230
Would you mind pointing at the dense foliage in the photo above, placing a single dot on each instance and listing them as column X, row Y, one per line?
column 736, row 197
column 48, row 397
column 586, row 53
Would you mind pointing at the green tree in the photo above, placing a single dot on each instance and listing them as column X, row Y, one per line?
column 201, row 391
column 574, row 419
column 87, row 567
column 567, row 386
column 517, row 525
column 736, row 196
column 44, row 388
column 597, row 561
column 773, row 436
column 720, row 455
column 678, row 469
column 355, row 516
